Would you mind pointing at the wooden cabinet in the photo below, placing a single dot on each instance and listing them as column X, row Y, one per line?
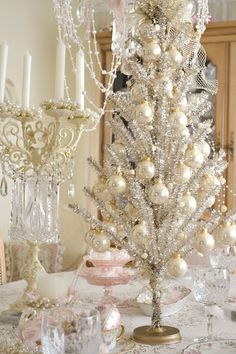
column 219, row 41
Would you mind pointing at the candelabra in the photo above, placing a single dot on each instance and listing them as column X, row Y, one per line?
column 37, row 154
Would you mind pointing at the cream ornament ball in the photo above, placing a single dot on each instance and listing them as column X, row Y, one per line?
column 193, row 157
column 162, row 84
column 119, row 149
column 182, row 173
column 204, row 242
column 188, row 203
column 140, row 232
column 144, row 113
column 182, row 132
column 226, row 235
column 145, row 170
column 205, row 148
column 209, row 181
column 158, row 193
column 177, row 267
column 101, row 241
column 182, row 104
column 151, row 51
column 175, row 56
column 110, row 227
column 178, row 120
column 117, row 185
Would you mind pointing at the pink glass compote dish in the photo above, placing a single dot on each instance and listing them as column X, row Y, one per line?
column 107, row 270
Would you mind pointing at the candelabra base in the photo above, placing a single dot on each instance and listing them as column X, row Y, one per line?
column 153, row 336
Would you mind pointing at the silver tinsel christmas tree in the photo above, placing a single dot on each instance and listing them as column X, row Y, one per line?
column 162, row 171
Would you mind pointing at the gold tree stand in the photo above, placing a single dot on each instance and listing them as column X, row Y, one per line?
column 154, row 336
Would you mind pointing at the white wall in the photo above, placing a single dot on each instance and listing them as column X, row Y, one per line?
column 31, row 25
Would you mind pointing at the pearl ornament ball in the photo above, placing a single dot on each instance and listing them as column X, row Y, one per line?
column 205, row 149
column 163, row 84
column 145, row 170
column 178, row 120
column 204, row 242
column 117, row 185
column 225, row 235
column 193, row 157
column 188, row 203
column 158, row 193
column 144, row 113
column 119, row 149
column 182, row 173
column 140, row 233
column 175, row 56
column 152, row 51
column 177, row 266
column 101, row 241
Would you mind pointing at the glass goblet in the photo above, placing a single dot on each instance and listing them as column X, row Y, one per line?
column 210, row 287
column 82, row 329
column 224, row 258
column 52, row 332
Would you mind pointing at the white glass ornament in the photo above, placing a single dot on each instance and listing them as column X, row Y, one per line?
column 140, row 232
column 119, row 149
column 101, row 241
column 117, row 185
column 205, row 148
column 178, row 120
column 144, row 113
column 225, row 235
column 193, row 157
column 145, row 169
column 146, row 30
column 182, row 173
column 158, row 193
column 177, row 267
column 152, row 51
column 204, row 242
column 188, row 203
column 182, row 132
column 182, row 103
column 162, row 84
column 175, row 56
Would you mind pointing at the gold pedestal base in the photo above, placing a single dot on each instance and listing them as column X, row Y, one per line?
column 153, row 336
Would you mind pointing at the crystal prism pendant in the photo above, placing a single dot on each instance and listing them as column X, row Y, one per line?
column 71, row 190
column 3, row 187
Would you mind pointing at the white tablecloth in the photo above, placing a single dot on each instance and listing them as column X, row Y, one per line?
column 190, row 320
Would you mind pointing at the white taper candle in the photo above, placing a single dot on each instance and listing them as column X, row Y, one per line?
column 60, row 71
column 3, row 69
column 25, row 98
column 80, row 78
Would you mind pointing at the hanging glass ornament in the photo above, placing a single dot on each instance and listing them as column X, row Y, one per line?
column 101, row 241
column 193, row 157
column 187, row 203
column 177, row 267
column 225, row 234
column 144, row 113
column 204, row 242
column 71, row 190
column 3, row 186
column 182, row 173
column 145, row 170
column 117, row 185
column 175, row 56
column 151, row 51
column 158, row 193
column 178, row 120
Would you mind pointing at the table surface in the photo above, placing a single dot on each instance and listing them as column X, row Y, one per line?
column 190, row 320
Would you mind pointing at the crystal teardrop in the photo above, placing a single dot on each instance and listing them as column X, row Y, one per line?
column 3, row 187
column 71, row 190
